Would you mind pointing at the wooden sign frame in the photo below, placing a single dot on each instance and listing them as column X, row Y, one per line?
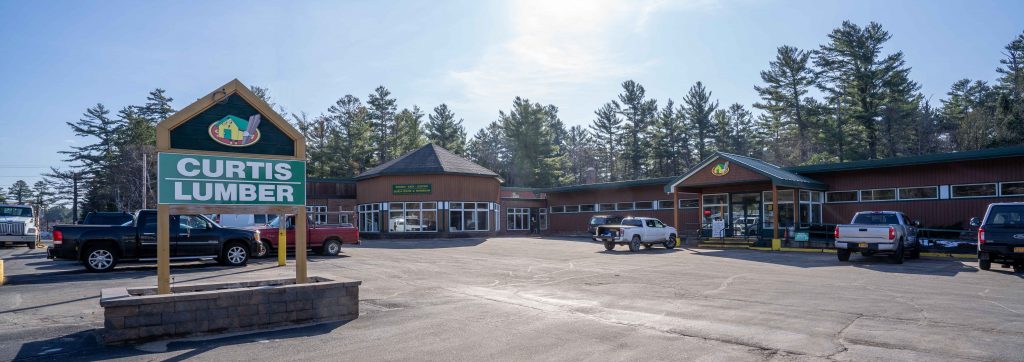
column 163, row 144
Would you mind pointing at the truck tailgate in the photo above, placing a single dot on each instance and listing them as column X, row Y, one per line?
column 863, row 234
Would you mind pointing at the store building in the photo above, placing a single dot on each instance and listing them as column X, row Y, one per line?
column 433, row 192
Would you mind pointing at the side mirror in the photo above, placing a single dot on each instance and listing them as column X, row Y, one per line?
column 975, row 221
column 917, row 223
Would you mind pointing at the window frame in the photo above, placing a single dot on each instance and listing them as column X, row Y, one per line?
column 475, row 209
column 899, row 195
column 895, row 194
column 829, row 193
column 952, row 193
column 520, row 214
column 1000, row 189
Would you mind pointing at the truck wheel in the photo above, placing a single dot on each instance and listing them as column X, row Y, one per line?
column 634, row 245
column 609, row 246
column 234, row 254
column 262, row 249
column 916, row 252
column 843, row 254
column 31, row 245
column 331, row 247
column 100, row 258
column 897, row 256
column 671, row 242
column 985, row 264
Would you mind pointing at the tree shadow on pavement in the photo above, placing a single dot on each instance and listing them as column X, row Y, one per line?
column 938, row 267
column 84, row 345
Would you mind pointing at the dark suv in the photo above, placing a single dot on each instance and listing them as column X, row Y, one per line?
column 1001, row 236
column 599, row 220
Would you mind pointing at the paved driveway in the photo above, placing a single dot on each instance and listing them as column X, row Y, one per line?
column 564, row 299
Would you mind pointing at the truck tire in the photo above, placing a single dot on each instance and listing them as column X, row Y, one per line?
column 100, row 258
column 984, row 264
column 234, row 254
column 331, row 247
column 262, row 249
column 897, row 256
column 916, row 252
column 671, row 242
column 634, row 245
column 843, row 254
column 31, row 245
column 608, row 245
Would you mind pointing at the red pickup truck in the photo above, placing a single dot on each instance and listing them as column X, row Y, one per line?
column 323, row 239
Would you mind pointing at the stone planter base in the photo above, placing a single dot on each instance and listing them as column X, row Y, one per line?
column 139, row 314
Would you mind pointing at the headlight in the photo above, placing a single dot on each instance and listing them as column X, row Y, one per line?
column 30, row 231
column 256, row 235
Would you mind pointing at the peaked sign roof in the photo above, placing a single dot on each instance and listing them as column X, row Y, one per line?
column 778, row 175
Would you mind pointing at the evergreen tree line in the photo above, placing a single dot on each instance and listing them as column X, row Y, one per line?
column 849, row 99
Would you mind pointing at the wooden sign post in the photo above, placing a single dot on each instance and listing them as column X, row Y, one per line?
column 229, row 152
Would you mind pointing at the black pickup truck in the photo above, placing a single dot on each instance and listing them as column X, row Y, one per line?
column 1001, row 236
column 101, row 247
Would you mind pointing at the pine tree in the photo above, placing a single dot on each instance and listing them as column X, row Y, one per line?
column 637, row 113
column 352, row 140
column 741, row 130
column 20, row 192
column 787, row 80
column 579, row 154
column 970, row 113
column 408, row 134
column 381, row 110
column 318, row 132
column 531, row 148
column 855, row 73
column 607, row 131
column 670, row 151
column 157, row 107
column 488, row 149
column 699, row 109
column 1011, row 88
column 42, row 194
column 443, row 130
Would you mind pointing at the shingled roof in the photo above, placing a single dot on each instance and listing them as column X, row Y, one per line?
column 429, row 159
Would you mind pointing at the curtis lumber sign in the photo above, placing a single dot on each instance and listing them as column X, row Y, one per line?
column 202, row 179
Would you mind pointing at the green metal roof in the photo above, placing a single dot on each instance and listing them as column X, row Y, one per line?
column 912, row 160
column 608, row 185
column 778, row 175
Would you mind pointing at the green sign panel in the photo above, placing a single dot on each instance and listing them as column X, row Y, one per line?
column 408, row 189
column 801, row 236
column 215, row 180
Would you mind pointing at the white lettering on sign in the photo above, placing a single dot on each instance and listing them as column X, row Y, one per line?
column 191, row 167
column 230, row 192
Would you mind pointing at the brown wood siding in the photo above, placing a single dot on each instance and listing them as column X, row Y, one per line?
column 443, row 188
column 941, row 214
column 992, row 170
column 737, row 174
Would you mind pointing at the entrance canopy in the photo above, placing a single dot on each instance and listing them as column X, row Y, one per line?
column 728, row 169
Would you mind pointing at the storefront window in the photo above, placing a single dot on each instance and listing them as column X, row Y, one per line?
column 878, row 195
column 607, row 207
column 406, row 217
column 841, row 196
column 715, row 207
column 468, row 216
column 810, row 208
column 644, row 205
column 919, row 193
column 624, row 206
column 543, row 219
column 587, row 208
column 518, row 219
column 786, row 209
column 558, row 209
column 369, row 218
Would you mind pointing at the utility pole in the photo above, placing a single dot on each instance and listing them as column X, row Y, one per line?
column 74, row 197
column 145, row 179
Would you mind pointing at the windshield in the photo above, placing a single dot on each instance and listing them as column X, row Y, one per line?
column 15, row 211
column 1007, row 216
column 876, row 219
column 107, row 219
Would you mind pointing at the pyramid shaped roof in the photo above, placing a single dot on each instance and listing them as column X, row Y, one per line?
column 429, row 159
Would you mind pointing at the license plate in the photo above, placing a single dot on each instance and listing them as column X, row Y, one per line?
column 1018, row 250
column 862, row 245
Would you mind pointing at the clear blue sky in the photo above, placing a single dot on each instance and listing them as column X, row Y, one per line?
column 60, row 57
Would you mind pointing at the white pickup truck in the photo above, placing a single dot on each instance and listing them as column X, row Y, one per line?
column 18, row 225
column 877, row 232
column 637, row 231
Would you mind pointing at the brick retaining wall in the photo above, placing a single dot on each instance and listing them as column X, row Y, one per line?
column 135, row 315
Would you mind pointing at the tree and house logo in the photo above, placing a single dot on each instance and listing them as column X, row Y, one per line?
column 236, row 132
column 720, row 169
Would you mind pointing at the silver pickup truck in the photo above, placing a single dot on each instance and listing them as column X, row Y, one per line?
column 878, row 232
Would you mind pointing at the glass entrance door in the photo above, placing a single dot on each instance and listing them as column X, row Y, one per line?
column 745, row 215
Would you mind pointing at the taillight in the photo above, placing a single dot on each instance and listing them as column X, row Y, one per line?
column 892, row 233
column 836, row 233
column 981, row 236
column 58, row 237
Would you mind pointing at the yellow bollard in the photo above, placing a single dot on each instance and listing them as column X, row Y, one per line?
column 776, row 244
column 282, row 240
column 678, row 241
column 1, row 272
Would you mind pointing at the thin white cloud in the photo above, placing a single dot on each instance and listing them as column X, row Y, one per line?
column 558, row 49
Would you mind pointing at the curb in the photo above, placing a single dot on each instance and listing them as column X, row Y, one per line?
column 833, row 251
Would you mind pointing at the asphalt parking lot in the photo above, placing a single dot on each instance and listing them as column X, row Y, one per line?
column 561, row 299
